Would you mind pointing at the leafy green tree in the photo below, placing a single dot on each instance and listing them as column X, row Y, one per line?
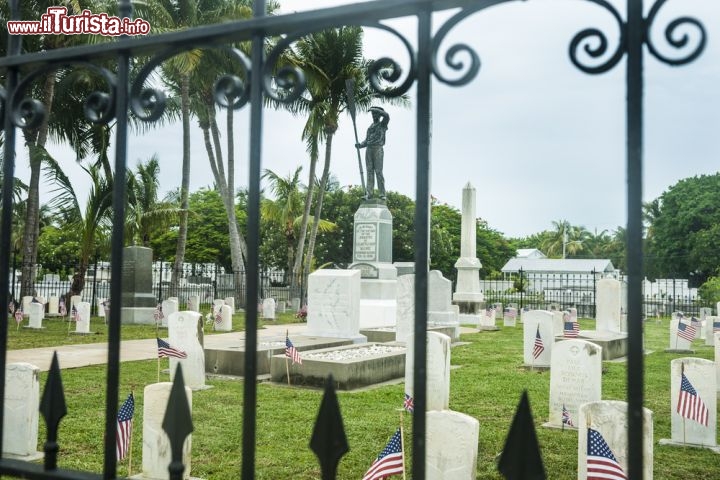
column 710, row 291
column 686, row 228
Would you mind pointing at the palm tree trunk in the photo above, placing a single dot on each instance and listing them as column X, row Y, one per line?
column 238, row 247
column 184, row 185
column 300, row 250
column 78, row 279
column 318, row 205
column 31, row 233
column 237, row 241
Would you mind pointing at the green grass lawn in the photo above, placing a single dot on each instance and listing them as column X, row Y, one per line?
column 486, row 383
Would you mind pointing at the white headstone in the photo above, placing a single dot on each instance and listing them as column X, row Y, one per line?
column 717, row 360
column 333, row 308
column 441, row 311
column 22, row 399
column 225, row 324
column 82, row 325
column 25, row 303
column 498, row 310
column 193, row 303
column 268, row 308
column 558, row 322
column 156, row 453
column 74, row 300
column 697, row 424
column 575, row 378
column 712, row 326
column 53, row 304
column 487, row 319
column 609, row 419
column 217, row 304
column 405, row 314
column 509, row 316
column 608, row 317
column 101, row 307
column 230, row 301
column 438, row 369
column 538, row 330
column 295, row 304
column 183, row 334
column 35, row 313
column 169, row 307
column 452, row 446
column 681, row 332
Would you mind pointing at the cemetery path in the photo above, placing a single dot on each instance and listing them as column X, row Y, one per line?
column 74, row 356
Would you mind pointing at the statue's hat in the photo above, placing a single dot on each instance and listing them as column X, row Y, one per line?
column 377, row 109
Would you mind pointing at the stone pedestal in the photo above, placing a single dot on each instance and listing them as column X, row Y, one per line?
column 372, row 255
column 138, row 301
column 334, row 304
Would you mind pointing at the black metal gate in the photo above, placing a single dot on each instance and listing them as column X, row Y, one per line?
column 262, row 80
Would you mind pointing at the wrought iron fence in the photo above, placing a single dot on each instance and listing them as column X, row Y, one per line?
column 589, row 50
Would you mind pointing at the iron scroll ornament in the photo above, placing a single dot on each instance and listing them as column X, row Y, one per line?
column 99, row 106
column 678, row 41
column 288, row 83
column 148, row 103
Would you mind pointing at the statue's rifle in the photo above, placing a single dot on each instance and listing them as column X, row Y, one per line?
column 350, row 95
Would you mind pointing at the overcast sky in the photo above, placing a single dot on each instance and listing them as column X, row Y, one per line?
column 539, row 139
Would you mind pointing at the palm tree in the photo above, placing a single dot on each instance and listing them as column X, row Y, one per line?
column 286, row 209
column 144, row 212
column 88, row 222
column 328, row 58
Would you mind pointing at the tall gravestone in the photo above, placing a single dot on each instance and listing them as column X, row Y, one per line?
column 138, row 301
column 405, row 324
column 575, row 378
column 693, row 403
column 82, row 322
column 183, row 334
column 538, row 338
column 603, row 425
column 438, row 369
column 712, row 326
column 156, row 452
column 22, row 399
column 467, row 290
column 608, row 317
column 372, row 255
column 441, row 311
column 35, row 315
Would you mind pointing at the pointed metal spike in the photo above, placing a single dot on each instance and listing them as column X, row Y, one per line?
column 521, row 459
column 53, row 409
column 328, row 439
column 177, row 423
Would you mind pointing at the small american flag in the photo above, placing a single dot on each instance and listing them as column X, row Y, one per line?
column 291, row 352
column 124, row 427
column 62, row 309
column 686, row 331
column 158, row 315
column 566, row 420
column 218, row 315
column 690, row 405
column 409, row 403
column 165, row 350
column 509, row 312
column 490, row 312
column 601, row 463
column 695, row 322
column 18, row 314
column 389, row 462
column 74, row 314
column 716, row 327
column 538, row 347
column 571, row 328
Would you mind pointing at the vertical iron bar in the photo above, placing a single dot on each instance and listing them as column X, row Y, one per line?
column 253, row 240
column 14, row 45
column 422, row 237
column 116, row 255
column 635, row 375
column 93, row 302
